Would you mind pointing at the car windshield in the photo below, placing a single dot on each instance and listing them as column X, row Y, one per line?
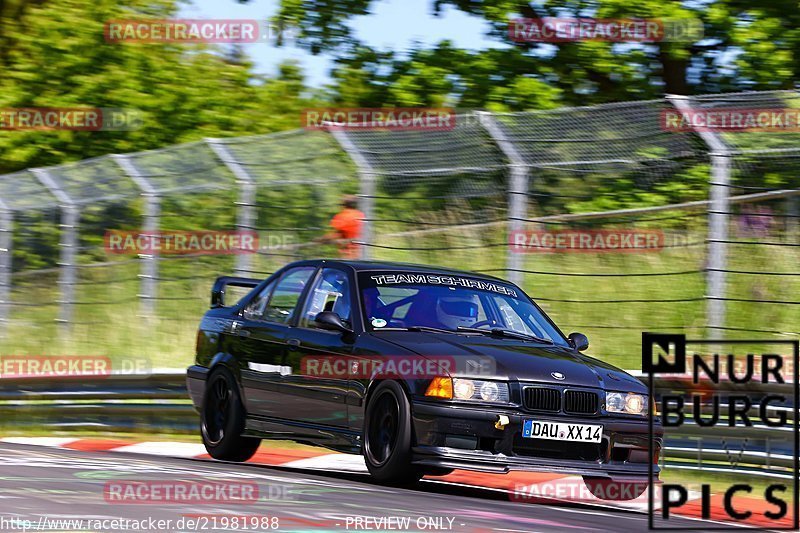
column 393, row 300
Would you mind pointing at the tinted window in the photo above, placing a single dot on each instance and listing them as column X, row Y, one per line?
column 286, row 294
column 392, row 304
column 523, row 317
column 255, row 310
column 408, row 299
column 331, row 292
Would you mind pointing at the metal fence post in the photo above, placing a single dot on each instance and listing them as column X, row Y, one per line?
column 152, row 212
column 517, row 191
column 792, row 213
column 718, row 217
column 6, row 248
column 246, row 212
column 368, row 186
column 68, row 244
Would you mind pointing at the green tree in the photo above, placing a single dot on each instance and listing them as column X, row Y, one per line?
column 744, row 47
column 54, row 54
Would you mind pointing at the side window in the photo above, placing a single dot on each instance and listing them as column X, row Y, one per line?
column 286, row 294
column 331, row 292
column 392, row 295
column 255, row 310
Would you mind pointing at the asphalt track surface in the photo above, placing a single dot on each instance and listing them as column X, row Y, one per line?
column 45, row 485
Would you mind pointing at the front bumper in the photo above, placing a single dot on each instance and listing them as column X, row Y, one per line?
column 455, row 436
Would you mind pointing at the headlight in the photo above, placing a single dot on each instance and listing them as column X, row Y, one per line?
column 490, row 392
column 628, row 403
column 479, row 390
column 463, row 389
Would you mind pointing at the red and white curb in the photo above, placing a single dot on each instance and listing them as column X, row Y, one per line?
column 521, row 487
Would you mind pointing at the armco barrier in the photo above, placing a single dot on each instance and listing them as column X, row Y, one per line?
column 159, row 403
column 153, row 403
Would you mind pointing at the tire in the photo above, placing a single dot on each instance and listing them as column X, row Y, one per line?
column 222, row 419
column 614, row 489
column 388, row 436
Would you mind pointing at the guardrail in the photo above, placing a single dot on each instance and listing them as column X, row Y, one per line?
column 152, row 403
column 159, row 403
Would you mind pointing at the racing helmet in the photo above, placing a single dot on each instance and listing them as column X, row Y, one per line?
column 455, row 311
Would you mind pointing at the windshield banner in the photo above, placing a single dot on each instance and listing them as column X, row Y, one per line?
column 377, row 279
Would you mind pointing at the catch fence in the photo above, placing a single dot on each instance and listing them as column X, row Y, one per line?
column 724, row 204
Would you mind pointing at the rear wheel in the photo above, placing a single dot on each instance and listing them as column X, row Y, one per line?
column 615, row 489
column 223, row 419
column 388, row 436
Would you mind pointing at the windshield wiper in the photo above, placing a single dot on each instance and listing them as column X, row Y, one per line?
column 419, row 328
column 497, row 332
column 510, row 333
column 432, row 329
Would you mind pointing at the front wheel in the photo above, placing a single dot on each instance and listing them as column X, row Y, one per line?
column 223, row 419
column 388, row 436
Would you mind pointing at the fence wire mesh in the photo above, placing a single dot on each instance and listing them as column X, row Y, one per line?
column 763, row 239
column 457, row 197
column 297, row 180
column 438, row 197
column 591, row 164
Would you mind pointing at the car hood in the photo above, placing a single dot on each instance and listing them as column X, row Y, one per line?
column 513, row 359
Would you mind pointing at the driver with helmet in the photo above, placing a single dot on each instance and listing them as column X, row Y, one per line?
column 454, row 310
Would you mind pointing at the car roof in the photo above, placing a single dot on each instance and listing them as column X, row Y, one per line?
column 362, row 265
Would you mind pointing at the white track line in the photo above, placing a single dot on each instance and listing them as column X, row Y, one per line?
column 335, row 462
column 166, row 449
column 55, row 442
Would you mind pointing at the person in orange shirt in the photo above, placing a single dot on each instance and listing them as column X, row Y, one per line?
column 347, row 225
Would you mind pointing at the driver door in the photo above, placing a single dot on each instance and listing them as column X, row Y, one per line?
column 261, row 343
column 322, row 358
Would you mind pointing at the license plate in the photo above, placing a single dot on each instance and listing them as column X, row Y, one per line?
column 537, row 429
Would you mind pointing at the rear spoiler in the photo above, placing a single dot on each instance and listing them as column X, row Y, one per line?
column 218, row 291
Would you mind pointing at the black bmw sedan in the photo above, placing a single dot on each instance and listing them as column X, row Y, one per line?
column 422, row 370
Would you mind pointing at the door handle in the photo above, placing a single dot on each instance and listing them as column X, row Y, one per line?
column 236, row 329
column 294, row 344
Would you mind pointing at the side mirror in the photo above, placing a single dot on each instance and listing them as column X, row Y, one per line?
column 331, row 321
column 579, row 341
